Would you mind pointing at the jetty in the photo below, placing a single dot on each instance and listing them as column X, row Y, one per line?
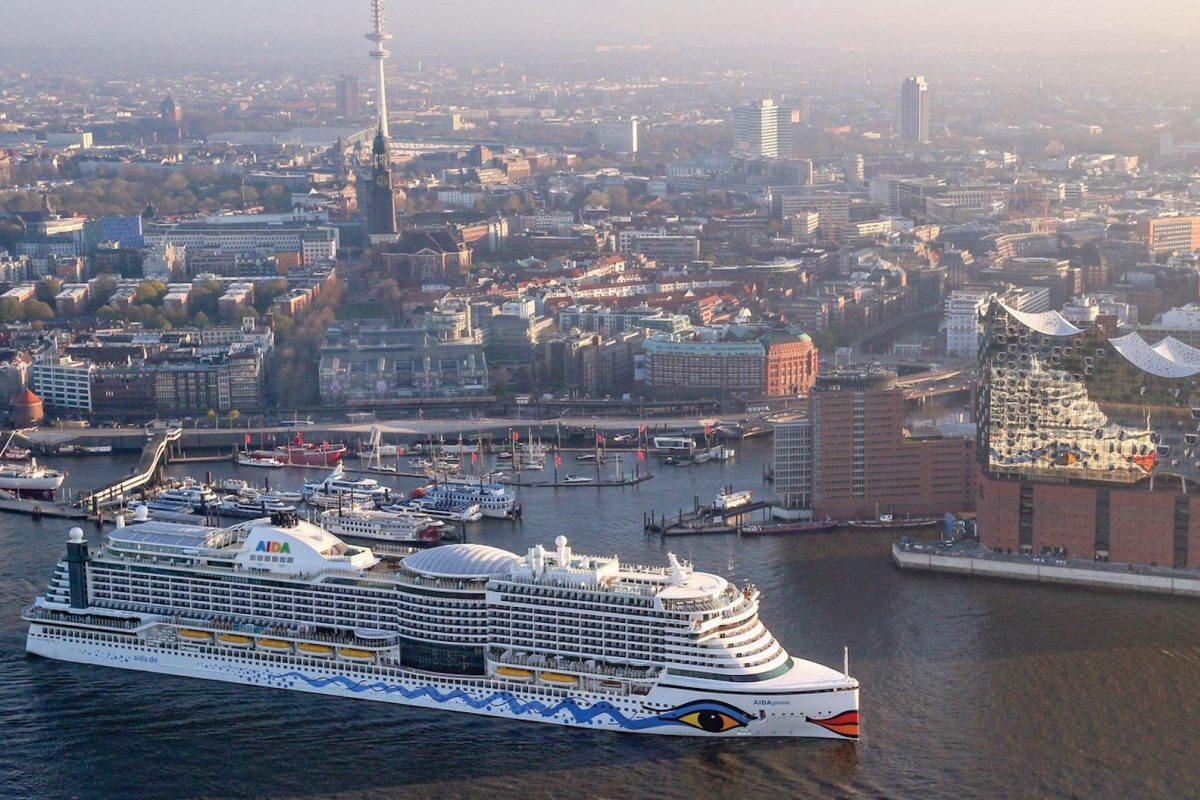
column 590, row 484
column 700, row 520
column 147, row 470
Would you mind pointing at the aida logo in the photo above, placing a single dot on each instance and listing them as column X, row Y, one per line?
column 272, row 547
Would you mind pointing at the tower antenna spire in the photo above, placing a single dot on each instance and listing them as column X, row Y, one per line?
column 378, row 37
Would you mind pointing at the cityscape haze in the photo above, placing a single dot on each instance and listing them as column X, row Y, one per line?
column 859, row 345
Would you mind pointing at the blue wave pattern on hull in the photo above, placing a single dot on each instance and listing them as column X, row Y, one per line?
column 679, row 715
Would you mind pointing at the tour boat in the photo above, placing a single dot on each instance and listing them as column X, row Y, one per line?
column 253, row 460
column 30, row 478
column 405, row 529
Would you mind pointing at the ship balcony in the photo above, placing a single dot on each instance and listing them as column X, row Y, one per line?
column 35, row 613
column 287, row 632
column 574, row 666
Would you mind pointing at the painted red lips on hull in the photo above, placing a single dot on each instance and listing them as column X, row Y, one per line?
column 843, row 724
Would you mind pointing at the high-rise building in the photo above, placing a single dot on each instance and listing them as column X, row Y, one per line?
column 852, row 166
column 1084, row 442
column 851, row 459
column 347, row 97
column 618, row 135
column 756, row 129
column 381, row 205
column 914, row 110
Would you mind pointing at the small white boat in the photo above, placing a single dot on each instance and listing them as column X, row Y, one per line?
column 573, row 479
column 251, row 460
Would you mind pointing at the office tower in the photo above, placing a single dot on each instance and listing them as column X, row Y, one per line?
column 756, row 129
column 618, row 135
column 347, row 97
column 914, row 110
column 850, row 457
column 852, row 166
column 381, row 212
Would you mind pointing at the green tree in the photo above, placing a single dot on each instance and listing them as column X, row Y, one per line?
column 201, row 320
column 150, row 292
column 47, row 288
column 37, row 310
column 11, row 311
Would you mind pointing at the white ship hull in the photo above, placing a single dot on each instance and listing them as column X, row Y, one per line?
column 46, row 484
column 663, row 710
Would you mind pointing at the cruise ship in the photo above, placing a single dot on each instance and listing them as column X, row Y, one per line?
column 548, row 636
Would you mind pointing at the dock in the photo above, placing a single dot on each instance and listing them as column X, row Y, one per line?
column 700, row 520
column 600, row 484
column 43, row 508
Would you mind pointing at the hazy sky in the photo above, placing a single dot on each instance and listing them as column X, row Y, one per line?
column 334, row 27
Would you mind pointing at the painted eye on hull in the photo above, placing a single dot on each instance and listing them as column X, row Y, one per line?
column 711, row 717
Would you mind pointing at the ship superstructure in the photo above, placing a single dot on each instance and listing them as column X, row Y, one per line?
column 550, row 635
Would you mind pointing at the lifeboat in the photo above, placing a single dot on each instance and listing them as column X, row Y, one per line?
column 274, row 644
column 194, row 635
column 514, row 672
column 610, row 685
column 310, row 649
column 354, row 654
column 559, row 678
column 234, row 639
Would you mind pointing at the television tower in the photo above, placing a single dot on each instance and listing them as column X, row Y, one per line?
column 381, row 200
column 379, row 38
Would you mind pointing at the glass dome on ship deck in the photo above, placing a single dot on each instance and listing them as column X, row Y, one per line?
column 461, row 561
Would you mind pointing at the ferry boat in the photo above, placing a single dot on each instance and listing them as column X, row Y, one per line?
column 674, row 445
column 251, row 505
column 252, row 460
column 548, row 635
column 30, row 478
column 727, row 500
column 494, row 499
column 806, row 526
column 189, row 495
column 336, row 484
column 440, row 509
column 305, row 454
column 407, row 529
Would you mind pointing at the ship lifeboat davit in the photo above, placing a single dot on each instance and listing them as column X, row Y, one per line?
column 274, row 644
column 310, row 649
column 559, row 679
column 195, row 636
column 354, row 654
column 234, row 639
column 515, row 673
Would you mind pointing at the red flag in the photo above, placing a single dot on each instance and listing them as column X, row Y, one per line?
column 641, row 455
column 516, row 435
column 599, row 438
column 707, row 430
column 558, row 461
column 247, row 438
column 474, row 456
column 641, row 427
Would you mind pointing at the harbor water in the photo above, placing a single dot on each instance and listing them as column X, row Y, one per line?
column 970, row 688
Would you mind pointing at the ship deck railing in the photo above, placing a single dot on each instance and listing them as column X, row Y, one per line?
column 576, row 666
column 35, row 612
